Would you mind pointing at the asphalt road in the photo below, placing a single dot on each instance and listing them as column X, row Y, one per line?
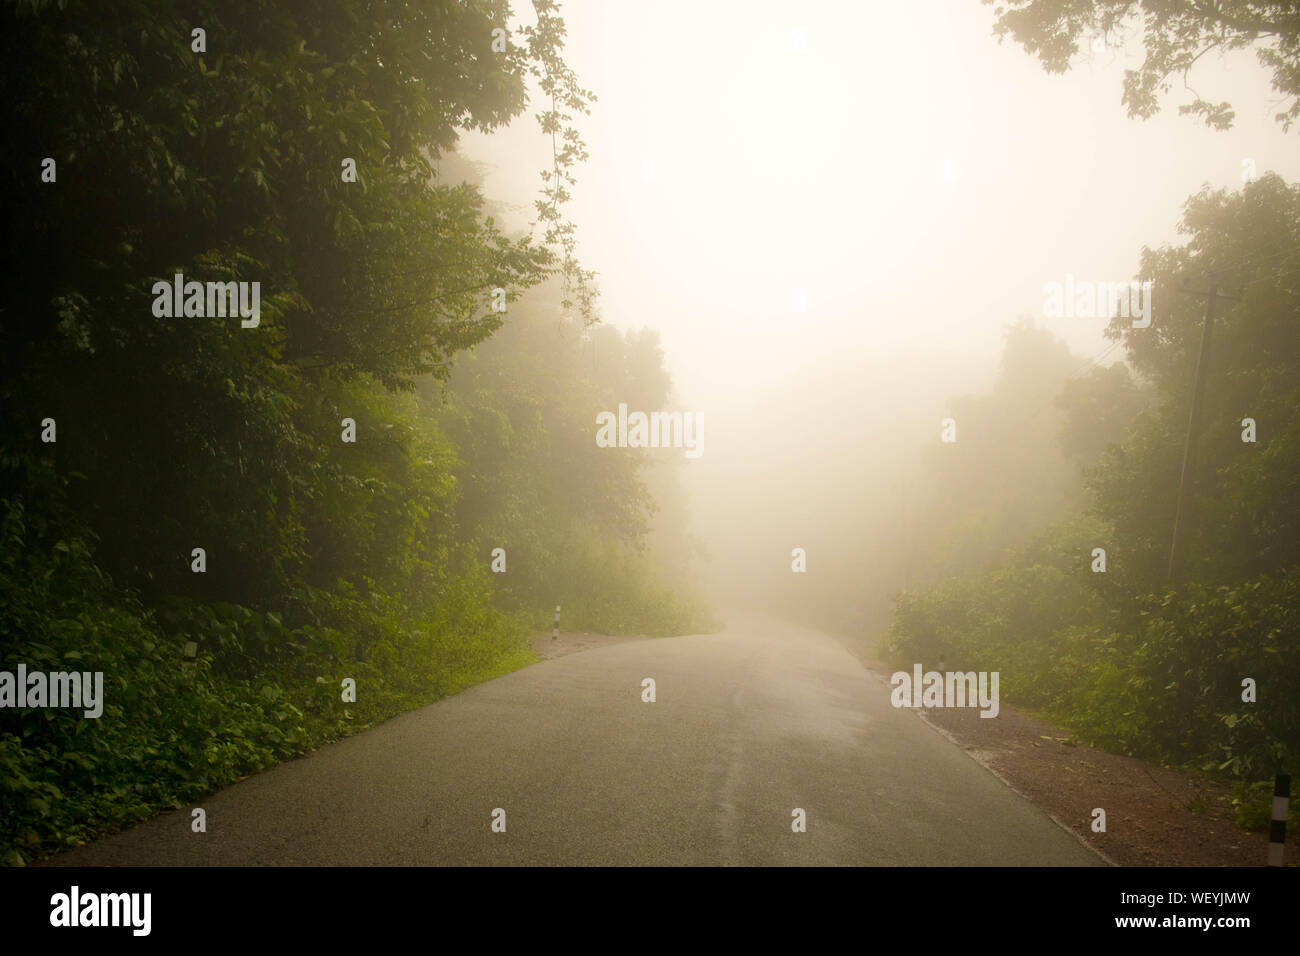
column 748, row 725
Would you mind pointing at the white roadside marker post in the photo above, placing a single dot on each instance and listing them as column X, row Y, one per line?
column 1277, row 832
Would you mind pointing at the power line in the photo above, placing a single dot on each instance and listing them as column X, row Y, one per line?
column 1069, row 378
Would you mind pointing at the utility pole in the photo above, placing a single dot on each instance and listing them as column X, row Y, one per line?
column 1189, row 449
column 902, row 513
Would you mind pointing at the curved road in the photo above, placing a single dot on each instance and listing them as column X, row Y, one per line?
column 748, row 725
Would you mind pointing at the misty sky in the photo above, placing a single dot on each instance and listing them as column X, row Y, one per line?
column 911, row 179
column 916, row 180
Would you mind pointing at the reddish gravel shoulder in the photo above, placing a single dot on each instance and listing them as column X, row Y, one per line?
column 1155, row 816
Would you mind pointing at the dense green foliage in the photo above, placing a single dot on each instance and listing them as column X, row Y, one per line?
column 573, row 518
column 325, row 559
column 1126, row 657
column 265, row 687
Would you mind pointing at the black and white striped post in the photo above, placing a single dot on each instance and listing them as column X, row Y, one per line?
column 1277, row 833
column 555, row 628
column 191, row 650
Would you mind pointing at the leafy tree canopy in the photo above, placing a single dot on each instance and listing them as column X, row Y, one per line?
column 1175, row 35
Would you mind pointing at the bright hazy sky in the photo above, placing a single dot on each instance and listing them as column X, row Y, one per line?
column 917, row 181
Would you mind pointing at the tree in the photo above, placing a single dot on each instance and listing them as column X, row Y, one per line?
column 225, row 164
column 1246, row 508
column 1005, row 475
column 1098, row 406
column 1175, row 33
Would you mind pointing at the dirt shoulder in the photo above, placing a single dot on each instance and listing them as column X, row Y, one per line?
column 1155, row 816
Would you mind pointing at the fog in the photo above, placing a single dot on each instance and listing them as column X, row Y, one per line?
column 832, row 213
column 656, row 479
